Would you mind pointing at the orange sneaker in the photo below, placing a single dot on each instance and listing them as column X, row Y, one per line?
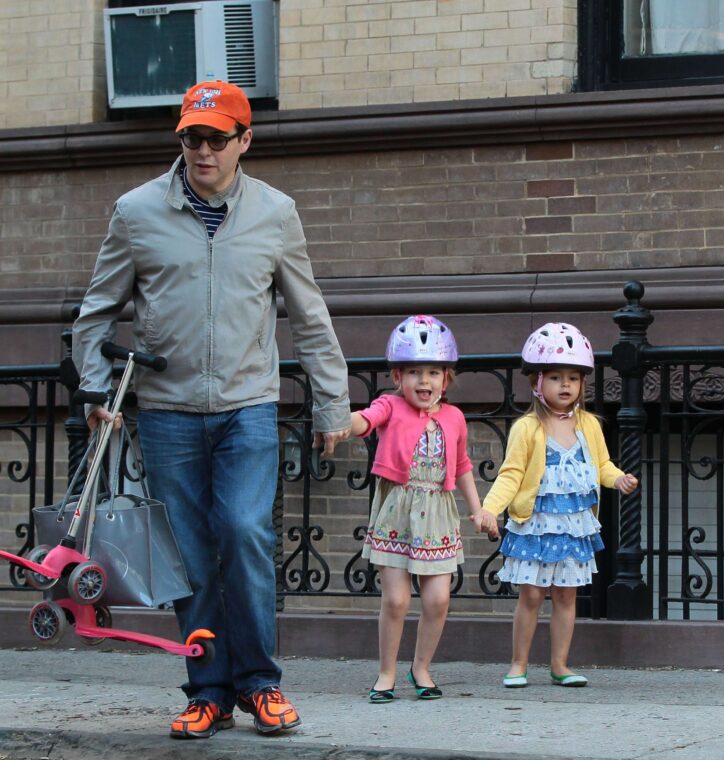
column 200, row 720
column 272, row 711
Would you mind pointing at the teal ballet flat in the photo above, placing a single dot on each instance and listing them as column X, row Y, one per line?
column 424, row 692
column 572, row 679
column 516, row 682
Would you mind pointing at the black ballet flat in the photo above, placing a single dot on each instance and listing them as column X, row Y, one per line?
column 424, row 692
column 381, row 696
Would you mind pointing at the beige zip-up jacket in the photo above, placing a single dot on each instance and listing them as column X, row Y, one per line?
column 208, row 306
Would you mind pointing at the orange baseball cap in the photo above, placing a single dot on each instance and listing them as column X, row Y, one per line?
column 215, row 104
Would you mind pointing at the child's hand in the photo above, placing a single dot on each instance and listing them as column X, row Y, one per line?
column 485, row 522
column 626, row 483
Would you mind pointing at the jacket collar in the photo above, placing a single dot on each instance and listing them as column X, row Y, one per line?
column 175, row 192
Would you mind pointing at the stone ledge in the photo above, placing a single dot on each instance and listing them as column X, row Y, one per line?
column 572, row 116
column 466, row 638
column 679, row 288
column 686, row 302
column 488, row 639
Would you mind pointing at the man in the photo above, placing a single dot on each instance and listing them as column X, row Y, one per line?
column 201, row 251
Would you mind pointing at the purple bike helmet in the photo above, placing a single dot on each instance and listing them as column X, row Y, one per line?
column 421, row 339
column 557, row 344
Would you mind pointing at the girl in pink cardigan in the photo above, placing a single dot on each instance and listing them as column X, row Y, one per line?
column 414, row 524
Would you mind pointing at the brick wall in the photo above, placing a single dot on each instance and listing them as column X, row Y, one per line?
column 52, row 66
column 332, row 53
column 355, row 52
column 523, row 208
column 53, row 223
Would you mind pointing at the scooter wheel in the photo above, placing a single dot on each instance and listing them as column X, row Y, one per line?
column 87, row 583
column 48, row 622
column 209, row 652
column 36, row 580
column 103, row 620
column 206, row 644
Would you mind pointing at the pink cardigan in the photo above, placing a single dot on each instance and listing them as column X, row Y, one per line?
column 399, row 427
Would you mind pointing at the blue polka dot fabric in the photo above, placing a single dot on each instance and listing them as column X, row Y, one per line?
column 556, row 545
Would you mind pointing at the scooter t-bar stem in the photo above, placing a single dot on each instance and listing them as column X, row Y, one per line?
column 104, row 434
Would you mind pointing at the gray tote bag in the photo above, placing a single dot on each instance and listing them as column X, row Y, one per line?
column 129, row 536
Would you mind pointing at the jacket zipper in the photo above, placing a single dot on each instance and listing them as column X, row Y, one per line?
column 210, row 320
column 209, row 298
column 210, row 307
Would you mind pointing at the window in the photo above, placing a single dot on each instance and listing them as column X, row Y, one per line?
column 650, row 43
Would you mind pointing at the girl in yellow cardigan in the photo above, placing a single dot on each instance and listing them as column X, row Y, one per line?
column 555, row 463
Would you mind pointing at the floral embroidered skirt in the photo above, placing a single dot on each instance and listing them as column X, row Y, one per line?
column 416, row 526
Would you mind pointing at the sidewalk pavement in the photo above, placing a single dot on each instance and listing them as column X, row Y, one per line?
column 88, row 704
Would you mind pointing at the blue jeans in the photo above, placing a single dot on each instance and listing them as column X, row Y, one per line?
column 217, row 475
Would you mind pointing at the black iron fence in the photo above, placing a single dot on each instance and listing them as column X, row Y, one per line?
column 27, row 434
column 663, row 415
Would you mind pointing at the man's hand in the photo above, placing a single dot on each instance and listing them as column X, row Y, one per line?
column 330, row 440
column 100, row 414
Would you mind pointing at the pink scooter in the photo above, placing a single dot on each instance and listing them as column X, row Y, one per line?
column 87, row 580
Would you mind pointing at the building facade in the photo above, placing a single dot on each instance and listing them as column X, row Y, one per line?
column 498, row 163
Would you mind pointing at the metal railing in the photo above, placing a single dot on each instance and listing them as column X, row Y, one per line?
column 663, row 415
column 30, row 424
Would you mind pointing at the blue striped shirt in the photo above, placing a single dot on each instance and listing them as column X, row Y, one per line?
column 212, row 217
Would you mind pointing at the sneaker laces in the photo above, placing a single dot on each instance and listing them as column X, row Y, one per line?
column 194, row 704
column 274, row 693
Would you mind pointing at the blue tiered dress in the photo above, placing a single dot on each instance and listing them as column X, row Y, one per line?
column 555, row 546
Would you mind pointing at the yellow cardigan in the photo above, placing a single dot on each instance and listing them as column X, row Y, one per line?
column 519, row 477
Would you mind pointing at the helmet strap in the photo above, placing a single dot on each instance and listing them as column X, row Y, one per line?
column 445, row 384
column 538, row 391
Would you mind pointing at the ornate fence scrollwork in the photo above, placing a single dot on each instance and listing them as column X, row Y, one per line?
column 305, row 578
column 365, row 578
column 28, row 415
column 704, row 582
column 305, row 570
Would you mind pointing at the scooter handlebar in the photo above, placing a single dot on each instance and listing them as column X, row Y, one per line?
column 90, row 397
column 114, row 351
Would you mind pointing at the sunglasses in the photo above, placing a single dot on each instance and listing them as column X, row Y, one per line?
column 215, row 141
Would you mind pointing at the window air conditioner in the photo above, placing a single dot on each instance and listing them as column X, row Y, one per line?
column 154, row 53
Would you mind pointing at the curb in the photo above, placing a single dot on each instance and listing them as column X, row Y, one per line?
column 73, row 745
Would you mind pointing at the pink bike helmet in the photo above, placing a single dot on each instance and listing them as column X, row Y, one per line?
column 557, row 344
column 421, row 340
